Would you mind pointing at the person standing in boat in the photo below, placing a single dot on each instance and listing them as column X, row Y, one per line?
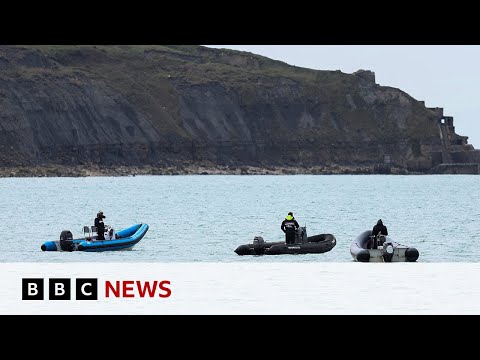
column 289, row 227
column 99, row 224
column 378, row 229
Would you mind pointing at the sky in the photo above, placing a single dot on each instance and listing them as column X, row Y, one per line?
column 445, row 76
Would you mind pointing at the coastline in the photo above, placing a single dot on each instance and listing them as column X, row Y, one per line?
column 190, row 169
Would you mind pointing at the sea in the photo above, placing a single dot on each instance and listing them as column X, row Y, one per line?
column 196, row 223
column 205, row 218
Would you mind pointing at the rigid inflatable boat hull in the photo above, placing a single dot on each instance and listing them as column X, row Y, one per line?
column 315, row 245
column 126, row 239
column 400, row 253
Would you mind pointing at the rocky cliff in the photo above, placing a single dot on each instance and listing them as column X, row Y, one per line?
column 170, row 105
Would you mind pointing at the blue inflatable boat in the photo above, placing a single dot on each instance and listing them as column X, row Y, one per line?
column 122, row 240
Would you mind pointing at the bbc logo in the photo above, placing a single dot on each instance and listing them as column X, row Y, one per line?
column 59, row 289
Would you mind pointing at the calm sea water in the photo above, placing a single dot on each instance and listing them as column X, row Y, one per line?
column 204, row 218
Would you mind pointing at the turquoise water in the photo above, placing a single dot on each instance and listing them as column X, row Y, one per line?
column 204, row 218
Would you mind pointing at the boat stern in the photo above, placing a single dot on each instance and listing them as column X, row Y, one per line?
column 50, row 246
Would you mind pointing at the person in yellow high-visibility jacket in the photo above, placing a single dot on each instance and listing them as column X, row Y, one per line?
column 289, row 227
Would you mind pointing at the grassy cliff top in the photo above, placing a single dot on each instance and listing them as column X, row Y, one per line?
column 183, row 60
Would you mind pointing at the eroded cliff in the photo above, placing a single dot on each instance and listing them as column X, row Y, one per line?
column 165, row 105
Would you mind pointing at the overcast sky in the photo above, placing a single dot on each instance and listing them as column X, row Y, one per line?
column 445, row 76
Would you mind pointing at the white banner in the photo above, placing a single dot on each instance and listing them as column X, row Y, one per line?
column 239, row 288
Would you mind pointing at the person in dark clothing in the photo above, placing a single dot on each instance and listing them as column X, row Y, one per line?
column 99, row 224
column 289, row 227
column 378, row 229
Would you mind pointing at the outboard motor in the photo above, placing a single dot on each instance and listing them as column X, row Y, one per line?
column 66, row 243
column 258, row 241
column 258, row 245
column 388, row 251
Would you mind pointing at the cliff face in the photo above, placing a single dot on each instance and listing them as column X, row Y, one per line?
column 162, row 105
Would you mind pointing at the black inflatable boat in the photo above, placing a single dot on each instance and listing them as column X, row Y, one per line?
column 303, row 245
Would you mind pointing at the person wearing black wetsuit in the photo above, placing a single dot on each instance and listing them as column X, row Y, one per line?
column 379, row 228
column 100, row 226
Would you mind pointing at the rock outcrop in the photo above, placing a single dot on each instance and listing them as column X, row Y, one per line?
column 163, row 106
